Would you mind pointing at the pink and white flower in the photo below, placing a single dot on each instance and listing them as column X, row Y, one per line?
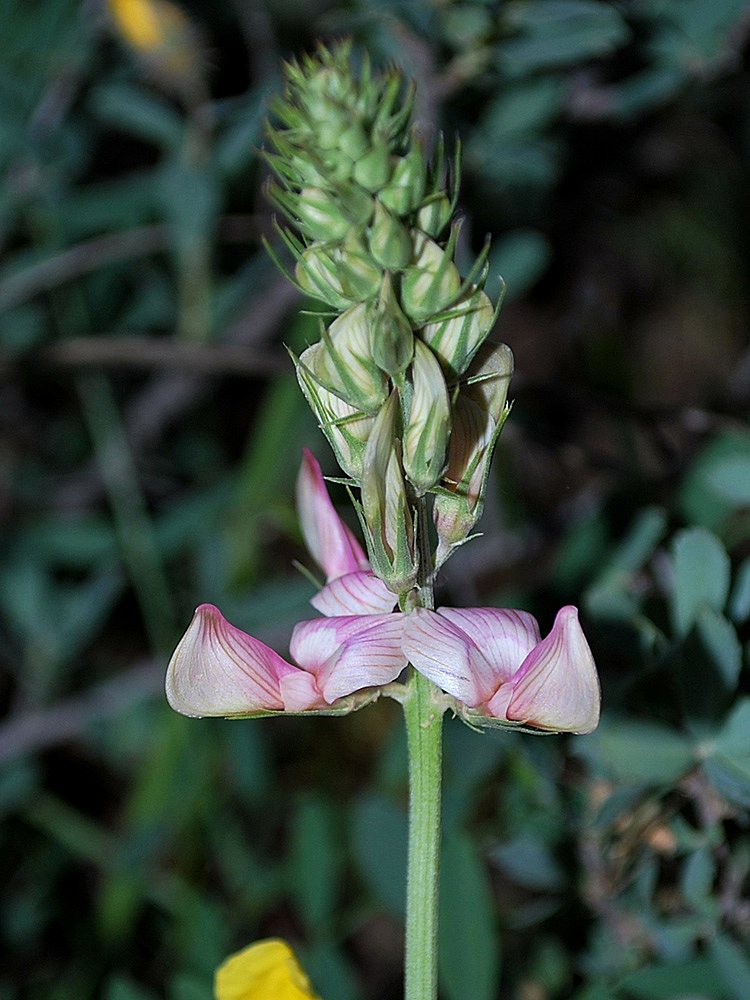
column 219, row 670
column 494, row 661
column 351, row 586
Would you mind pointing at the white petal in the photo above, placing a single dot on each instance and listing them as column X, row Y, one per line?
column 360, row 593
column 505, row 636
column 445, row 654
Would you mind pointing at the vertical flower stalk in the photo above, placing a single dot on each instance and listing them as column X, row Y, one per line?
column 411, row 396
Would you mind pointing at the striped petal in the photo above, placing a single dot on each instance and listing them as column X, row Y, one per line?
column 360, row 593
column 557, row 686
column 444, row 653
column 331, row 543
column 219, row 670
column 505, row 636
column 349, row 653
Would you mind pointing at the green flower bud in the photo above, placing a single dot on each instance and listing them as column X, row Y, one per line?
column 405, row 191
column 346, row 428
column 385, row 505
column 431, row 282
column 319, row 214
column 358, row 273
column 478, row 417
column 434, row 214
column 456, row 338
column 390, row 242
column 317, row 273
column 343, row 363
column 428, row 424
column 373, row 169
column 354, row 142
column 391, row 334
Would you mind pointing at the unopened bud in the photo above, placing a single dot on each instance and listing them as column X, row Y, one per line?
column 405, row 191
column 344, row 364
column 478, row 417
column 318, row 213
column 456, row 338
column 434, row 215
column 391, row 335
column 426, row 433
column 359, row 275
column 318, row 274
column 346, row 427
column 431, row 282
column 390, row 242
column 385, row 504
column 373, row 169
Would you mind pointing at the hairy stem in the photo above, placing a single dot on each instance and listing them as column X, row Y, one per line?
column 424, row 721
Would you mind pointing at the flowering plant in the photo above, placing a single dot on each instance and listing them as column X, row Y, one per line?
column 412, row 397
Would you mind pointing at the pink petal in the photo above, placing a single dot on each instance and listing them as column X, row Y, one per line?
column 331, row 543
column 300, row 692
column 350, row 653
column 557, row 686
column 504, row 636
column 219, row 670
column 444, row 653
column 360, row 593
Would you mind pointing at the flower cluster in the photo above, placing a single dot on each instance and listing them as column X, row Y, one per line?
column 412, row 397
column 396, row 382
column 492, row 663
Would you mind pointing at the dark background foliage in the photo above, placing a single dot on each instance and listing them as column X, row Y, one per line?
column 151, row 430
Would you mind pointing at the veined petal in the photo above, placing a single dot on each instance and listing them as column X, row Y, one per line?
column 444, row 653
column 300, row 692
column 349, row 653
column 505, row 636
column 360, row 593
column 219, row 670
column 331, row 543
column 557, row 686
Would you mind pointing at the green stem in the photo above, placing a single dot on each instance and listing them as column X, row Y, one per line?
column 424, row 722
column 424, row 733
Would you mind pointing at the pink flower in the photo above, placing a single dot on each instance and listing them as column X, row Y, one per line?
column 494, row 661
column 219, row 670
column 351, row 587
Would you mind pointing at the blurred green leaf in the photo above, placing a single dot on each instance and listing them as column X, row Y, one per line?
column 727, row 760
column 638, row 751
column 733, row 964
column 529, row 861
column 123, row 988
column 330, row 973
column 699, row 500
column 135, row 110
column 739, row 599
column 557, row 34
column 314, row 857
column 697, row 876
column 468, row 945
column 708, row 664
column 701, row 576
column 520, row 257
column 694, row 977
column 380, row 848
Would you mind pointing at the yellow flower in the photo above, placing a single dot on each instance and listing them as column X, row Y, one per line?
column 266, row 970
column 139, row 21
column 163, row 38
